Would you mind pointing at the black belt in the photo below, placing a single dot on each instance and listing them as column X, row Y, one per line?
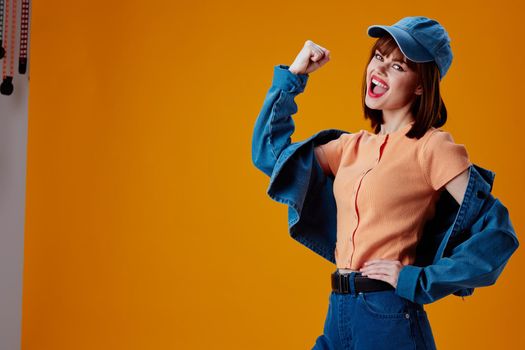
column 341, row 283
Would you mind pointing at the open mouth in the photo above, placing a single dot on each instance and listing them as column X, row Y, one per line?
column 377, row 88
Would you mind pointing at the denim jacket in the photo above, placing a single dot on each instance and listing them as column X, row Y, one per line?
column 462, row 247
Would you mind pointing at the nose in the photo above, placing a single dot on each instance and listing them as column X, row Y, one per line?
column 381, row 68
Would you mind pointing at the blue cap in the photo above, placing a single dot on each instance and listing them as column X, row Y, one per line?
column 420, row 39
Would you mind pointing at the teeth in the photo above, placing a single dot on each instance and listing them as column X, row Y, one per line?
column 379, row 83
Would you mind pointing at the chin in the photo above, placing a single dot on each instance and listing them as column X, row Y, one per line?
column 372, row 106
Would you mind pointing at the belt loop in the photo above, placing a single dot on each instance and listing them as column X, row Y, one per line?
column 351, row 278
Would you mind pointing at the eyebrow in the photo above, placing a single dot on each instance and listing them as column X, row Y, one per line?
column 397, row 59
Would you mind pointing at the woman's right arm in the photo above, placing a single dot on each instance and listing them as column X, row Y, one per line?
column 274, row 125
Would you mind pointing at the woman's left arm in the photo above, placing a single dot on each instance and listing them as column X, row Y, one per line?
column 457, row 186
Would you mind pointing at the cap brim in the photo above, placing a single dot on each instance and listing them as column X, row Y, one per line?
column 406, row 43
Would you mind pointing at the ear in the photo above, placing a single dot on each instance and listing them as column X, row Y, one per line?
column 419, row 90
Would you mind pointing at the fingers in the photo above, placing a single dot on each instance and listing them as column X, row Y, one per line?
column 325, row 58
column 385, row 278
column 314, row 45
column 380, row 266
column 325, row 51
column 310, row 58
column 382, row 269
column 382, row 262
column 318, row 52
column 379, row 276
column 377, row 269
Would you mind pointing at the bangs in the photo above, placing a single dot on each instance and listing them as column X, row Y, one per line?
column 386, row 45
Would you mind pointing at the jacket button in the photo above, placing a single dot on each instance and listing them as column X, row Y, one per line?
column 481, row 194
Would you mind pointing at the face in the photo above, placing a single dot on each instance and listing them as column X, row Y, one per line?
column 400, row 80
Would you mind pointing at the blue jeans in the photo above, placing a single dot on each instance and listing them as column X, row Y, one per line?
column 374, row 321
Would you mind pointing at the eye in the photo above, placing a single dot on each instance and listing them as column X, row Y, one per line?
column 400, row 68
column 381, row 58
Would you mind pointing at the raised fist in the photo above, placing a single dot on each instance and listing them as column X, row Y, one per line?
column 310, row 58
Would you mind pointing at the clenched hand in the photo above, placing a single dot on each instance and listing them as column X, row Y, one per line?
column 310, row 58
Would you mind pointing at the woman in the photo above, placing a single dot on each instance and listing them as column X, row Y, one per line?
column 387, row 183
column 360, row 200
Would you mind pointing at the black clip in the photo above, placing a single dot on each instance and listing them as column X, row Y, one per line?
column 344, row 283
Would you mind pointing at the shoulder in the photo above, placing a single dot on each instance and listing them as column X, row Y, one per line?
column 438, row 144
column 437, row 138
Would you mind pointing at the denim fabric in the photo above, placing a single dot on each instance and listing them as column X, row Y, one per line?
column 463, row 247
column 374, row 321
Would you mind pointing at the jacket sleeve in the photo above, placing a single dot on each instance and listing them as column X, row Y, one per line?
column 475, row 262
column 274, row 125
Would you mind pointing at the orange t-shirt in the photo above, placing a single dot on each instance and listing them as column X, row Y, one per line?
column 385, row 188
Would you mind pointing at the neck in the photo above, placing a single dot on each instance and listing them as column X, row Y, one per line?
column 393, row 120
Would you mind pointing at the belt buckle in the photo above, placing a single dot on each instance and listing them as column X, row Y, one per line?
column 343, row 282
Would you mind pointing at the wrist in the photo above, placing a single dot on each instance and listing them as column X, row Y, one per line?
column 294, row 71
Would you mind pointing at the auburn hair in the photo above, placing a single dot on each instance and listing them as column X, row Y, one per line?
column 428, row 109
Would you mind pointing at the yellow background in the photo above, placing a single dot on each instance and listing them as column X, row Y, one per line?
column 148, row 227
